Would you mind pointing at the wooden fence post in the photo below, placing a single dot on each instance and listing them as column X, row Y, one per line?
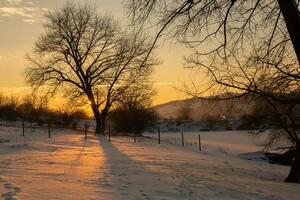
column 200, row 148
column 134, row 137
column 109, row 132
column 49, row 130
column 23, row 128
column 182, row 139
column 85, row 130
column 158, row 131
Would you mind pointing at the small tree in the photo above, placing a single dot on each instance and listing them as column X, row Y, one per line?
column 283, row 120
column 9, row 108
column 34, row 108
column 84, row 54
column 133, row 113
column 66, row 118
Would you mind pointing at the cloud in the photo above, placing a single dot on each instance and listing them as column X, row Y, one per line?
column 30, row 21
column 11, row 11
column 15, row 1
column 26, row 11
column 166, row 83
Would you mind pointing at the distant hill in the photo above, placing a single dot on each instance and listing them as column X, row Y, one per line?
column 201, row 109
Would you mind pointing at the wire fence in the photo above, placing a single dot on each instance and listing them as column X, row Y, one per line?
column 195, row 141
column 187, row 140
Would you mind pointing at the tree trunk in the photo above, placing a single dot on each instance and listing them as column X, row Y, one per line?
column 290, row 12
column 98, row 127
column 97, row 115
column 103, row 118
column 294, row 175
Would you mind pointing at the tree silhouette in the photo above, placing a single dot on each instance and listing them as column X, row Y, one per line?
column 84, row 54
column 133, row 112
column 243, row 47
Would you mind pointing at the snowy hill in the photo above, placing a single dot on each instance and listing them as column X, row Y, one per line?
column 201, row 109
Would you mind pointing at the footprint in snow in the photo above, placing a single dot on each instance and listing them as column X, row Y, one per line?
column 2, row 180
column 11, row 190
column 8, row 196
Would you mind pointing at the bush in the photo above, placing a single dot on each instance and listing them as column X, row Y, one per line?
column 132, row 120
column 34, row 109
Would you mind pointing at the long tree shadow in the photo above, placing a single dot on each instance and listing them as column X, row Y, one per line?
column 131, row 179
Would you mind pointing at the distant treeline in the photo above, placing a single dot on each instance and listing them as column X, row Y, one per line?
column 34, row 109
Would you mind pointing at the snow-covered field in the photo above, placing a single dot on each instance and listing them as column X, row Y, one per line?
column 69, row 167
column 215, row 142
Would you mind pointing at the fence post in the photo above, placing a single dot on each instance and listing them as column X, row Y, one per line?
column 158, row 131
column 23, row 128
column 109, row 132
column 200, row 148
column 182, row 139
column 49, row 130
column 85, row 130
column 31, row 125
column 134, row 137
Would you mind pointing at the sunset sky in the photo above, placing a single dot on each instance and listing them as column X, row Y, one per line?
column 21, row 23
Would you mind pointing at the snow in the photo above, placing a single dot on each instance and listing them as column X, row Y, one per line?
column 69, row 167
column 224, row 142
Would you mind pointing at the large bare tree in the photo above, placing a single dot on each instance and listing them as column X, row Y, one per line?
column 84, row 54
column 243, row 46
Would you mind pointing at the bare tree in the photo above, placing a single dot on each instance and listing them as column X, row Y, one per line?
column 34, row 108
column 84, row 54
column 221, row 26
column 138, row 95
column 243, row 47
column 8, row 108
column 133, row 112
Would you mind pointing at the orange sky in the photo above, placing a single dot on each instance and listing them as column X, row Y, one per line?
column 21, row 23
